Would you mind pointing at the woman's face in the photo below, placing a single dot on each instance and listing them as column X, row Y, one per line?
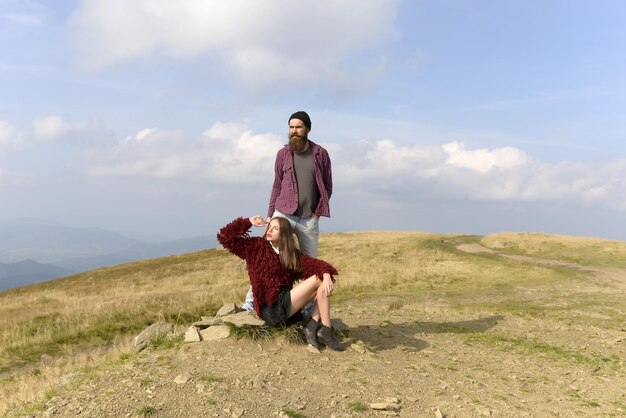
column 273, row 231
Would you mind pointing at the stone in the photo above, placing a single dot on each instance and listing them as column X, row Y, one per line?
column 141, row 341
column 217, row 332
column 192, row 335
column 243, row 318
column 181, row 379
column 237, row 413
column 358, row 348
column 484, row 411
column 439, row 414
column 205, row 323
column 384, row 406
column 227, row 309
column 312, row 349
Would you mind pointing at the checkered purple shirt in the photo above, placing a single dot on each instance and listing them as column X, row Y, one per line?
column 284, row 196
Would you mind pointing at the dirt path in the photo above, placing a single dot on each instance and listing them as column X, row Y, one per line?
column 420, row 357
column 616, row 276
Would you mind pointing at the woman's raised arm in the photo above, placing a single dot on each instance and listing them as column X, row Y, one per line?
column 235, row 238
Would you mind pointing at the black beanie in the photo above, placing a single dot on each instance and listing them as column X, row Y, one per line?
column 302, row 115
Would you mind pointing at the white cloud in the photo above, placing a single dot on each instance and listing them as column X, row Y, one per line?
column 381, row 171
column 49, row 128
column 263, row 44
column 145, row 134
column 384, row 171
column 450, row 170
column 11, row 138
column 484, row 160
column 226, row 153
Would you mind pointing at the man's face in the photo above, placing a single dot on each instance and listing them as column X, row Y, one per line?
column 298, row 135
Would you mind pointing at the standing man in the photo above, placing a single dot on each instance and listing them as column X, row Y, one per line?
column 302, row 187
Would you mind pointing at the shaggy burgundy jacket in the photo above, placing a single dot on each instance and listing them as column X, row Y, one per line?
column 266, row 272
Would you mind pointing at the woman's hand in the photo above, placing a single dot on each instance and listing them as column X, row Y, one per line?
column 328, row 286
column 257, row 220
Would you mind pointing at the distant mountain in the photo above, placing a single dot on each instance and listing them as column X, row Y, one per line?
column 27, row 272
column 49, row 243
column 139, row 251
column 55, row 251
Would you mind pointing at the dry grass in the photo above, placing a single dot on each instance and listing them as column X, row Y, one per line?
column 42, row 377
column 585, row 251
column 49, row 327
column 402, row 263
column 52, row 329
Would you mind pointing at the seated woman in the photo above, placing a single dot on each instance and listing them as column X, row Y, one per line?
column 274, row 264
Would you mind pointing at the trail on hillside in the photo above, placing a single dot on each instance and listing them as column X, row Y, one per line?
column 414, row 355
column 617, row 276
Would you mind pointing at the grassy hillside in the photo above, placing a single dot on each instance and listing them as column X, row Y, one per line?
column 51, row 329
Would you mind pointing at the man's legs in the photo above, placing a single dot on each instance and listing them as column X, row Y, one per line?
column 307, row 230
column 248, row 305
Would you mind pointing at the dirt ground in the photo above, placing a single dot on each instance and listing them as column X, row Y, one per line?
column 413, row 357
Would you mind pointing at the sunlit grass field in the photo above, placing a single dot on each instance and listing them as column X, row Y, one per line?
column 51, row 329
column 585, row 251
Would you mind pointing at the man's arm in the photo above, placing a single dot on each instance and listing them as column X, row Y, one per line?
column 328, row 175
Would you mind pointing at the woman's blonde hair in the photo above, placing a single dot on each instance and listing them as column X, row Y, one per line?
column 287, row 246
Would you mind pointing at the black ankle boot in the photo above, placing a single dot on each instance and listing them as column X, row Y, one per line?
column 310, row 332
column 326, row 336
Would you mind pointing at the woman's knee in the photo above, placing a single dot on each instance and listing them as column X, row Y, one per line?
column 313, row 282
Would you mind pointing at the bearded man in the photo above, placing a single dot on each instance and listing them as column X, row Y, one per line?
column 302, row 187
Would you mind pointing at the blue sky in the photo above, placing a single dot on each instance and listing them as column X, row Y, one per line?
column 160, row 119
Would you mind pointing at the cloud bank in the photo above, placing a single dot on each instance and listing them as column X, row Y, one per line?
column 500, row 174
column 260, row 44
column 226, row 153
column 383, row 171
column 231, row 153
column 45, row 129
column 10, row 138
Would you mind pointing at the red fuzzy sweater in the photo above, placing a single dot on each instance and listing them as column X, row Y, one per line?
column 266, row 272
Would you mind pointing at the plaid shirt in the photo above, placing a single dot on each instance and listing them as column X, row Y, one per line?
column 284, row 196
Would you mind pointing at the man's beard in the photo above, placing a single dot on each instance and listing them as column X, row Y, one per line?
column 298, row 143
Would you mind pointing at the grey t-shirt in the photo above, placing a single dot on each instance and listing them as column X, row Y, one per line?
column 308, row 193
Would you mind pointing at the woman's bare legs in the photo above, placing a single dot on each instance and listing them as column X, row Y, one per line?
column 315, row 333
column 311, row 289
